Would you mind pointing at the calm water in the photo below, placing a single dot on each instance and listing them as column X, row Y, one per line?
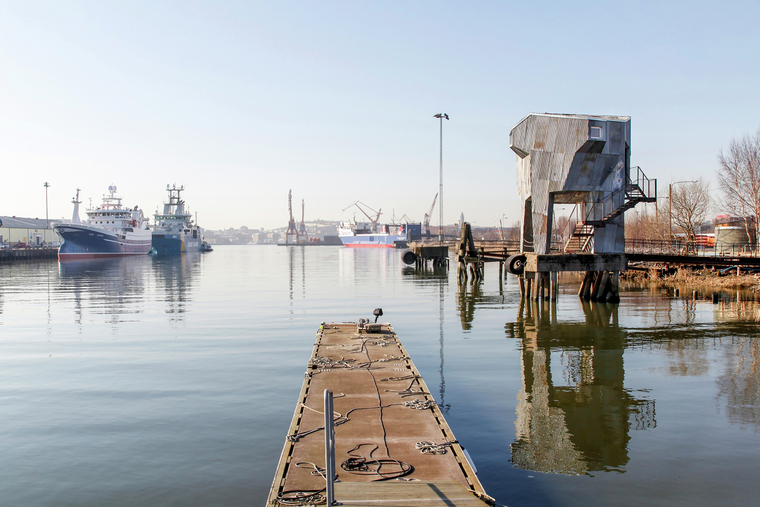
column 172, row 381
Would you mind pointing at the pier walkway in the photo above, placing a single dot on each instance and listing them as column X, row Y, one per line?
column 392, row 445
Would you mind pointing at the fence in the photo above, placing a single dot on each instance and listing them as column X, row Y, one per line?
column 684, row 247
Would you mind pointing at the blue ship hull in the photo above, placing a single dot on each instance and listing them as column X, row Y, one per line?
column 171, row 244
column 82, row 242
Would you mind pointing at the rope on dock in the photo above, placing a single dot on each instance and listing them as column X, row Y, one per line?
column 430, row 448
column 357, row 464
column 325, row 362
column 311, row 497
column 419, row 404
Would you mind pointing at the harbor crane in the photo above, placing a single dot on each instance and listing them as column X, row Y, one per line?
column 429, row 214
column 373, row 221
column 303, row 236
column 292, row 231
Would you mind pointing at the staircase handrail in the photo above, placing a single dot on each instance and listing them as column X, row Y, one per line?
column 647, row 186
column 617, row 198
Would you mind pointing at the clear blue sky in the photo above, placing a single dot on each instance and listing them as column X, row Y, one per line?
column 242, row 101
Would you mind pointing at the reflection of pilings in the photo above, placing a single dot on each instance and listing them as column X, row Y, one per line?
column 546, row 286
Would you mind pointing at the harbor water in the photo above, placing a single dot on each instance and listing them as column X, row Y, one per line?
column 172, row 381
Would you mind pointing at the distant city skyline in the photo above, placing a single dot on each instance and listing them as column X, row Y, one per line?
column 242, row 102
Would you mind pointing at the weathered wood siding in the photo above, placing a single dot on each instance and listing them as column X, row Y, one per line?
column 567, row 159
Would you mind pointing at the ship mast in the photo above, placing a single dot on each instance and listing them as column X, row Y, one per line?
column 75, row 216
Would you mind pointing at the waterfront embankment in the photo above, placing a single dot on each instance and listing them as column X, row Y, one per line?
column 688, row 280
column 28, row 254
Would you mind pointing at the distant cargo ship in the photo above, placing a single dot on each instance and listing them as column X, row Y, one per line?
column 110, row 230
column 357, row 235
column 175, row 232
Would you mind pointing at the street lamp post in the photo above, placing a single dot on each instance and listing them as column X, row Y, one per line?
column 670, row 203
column 441, row 117
column 47, row 220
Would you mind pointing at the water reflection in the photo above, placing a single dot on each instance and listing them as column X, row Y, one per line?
column 175, row 274
column 739, row 383
column 574, row 414
column 105, row 286
column 118, row 287
column 471, row 296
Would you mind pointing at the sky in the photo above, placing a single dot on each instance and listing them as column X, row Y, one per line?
column 242, row 101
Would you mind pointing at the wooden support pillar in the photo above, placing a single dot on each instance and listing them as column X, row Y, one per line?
column 529, row 283
column 589, row 285
column 521, row 281
column 554, row 285
column 614, row 293
column 595, row 288
column 584, row 283
column 601, row 293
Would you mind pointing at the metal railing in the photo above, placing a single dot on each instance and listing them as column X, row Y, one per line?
column 637, row 189
column 688, row 247
column 329, row 448
column 648, row 187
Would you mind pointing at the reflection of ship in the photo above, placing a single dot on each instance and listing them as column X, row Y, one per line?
column 175, row 232
column 583, row 425
column 112, row 287
column 361, row 235
column 176, row 275
column 109, row 231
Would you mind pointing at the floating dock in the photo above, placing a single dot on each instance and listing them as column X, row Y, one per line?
column 393, row 446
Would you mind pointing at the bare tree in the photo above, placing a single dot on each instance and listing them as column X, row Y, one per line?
column 690, row 205
column 739, row 178
column 641, row 225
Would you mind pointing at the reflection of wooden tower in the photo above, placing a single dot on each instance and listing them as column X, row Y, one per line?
column 303, row 236
column 292, row 232
column 581, row 420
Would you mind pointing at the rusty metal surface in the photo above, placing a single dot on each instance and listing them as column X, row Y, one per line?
column 372, row 379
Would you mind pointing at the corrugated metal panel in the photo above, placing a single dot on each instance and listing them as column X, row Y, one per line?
column 550, row 160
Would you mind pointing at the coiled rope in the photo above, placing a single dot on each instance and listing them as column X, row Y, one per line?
column 369, row 465
column 430, row 448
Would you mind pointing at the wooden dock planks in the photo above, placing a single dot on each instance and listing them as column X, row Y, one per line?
column 374, row 382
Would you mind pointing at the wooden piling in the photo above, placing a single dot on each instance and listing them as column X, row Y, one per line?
column 614, row 293
column 554, row 285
